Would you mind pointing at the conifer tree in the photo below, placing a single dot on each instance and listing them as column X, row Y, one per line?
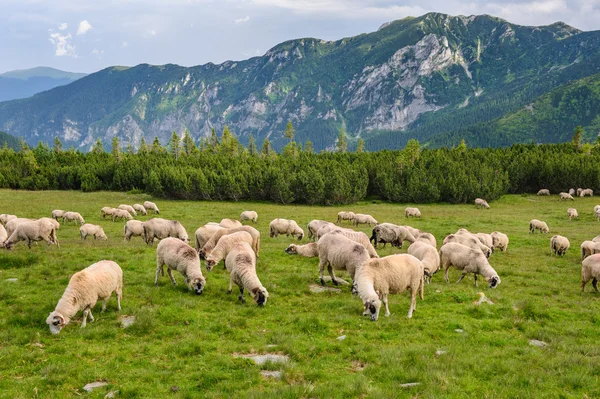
column 342, row 143
column 252, row 150
column 174, row 145
column 58, row 147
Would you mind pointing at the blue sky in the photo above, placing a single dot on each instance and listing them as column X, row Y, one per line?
column 88, row 35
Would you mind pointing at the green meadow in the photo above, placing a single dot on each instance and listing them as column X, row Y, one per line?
column 188, row 346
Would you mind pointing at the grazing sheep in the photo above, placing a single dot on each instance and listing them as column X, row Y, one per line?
column 151, row 206
column 486, row 239
column 283, row 226
column 356, row 236
column 360, row 218
column 468, row 260
column 140, row 209
column 178, row 255
column 587, row 191
column 345, row 216
column 92, row 230
column 122, row 214
column 97, row 281
column 12, row 224
column 249, row 215
column 579, row 190
column 481, row 203
column 394, row 274
column 590, row 270
column 73, row 216
column 30, row 231
column 57, row 213
column 414, row 212
column 329, row 228
column 469, row 241
column 390, row 233
column 313, row 227
column 571, row 191
column 241, row 264
column 589, row 248
column 204, row 233
column 310, row 250
column 559, row 245
column 572, row 213
column 499, row 240
column 54, row 223
column 133, row 228
column 565, row 196
column 212, row 242
column 413, row 231
column 230, row 223
column 535, row 224
column 128, row 208
column 543, row 191
column 224, row 245
column 339, row 252
column 107, row 211
column 3, row 235
column 5, row 218
column 428, row 255
column 162, row 228
column 427, row 238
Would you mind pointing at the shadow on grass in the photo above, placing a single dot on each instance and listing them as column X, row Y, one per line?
column 17, row 261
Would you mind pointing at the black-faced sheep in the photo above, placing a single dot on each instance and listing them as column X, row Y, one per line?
column 309, row 250
column 151, row 206
column 535, row 224
column 559, row 245
column 241, row 264
column 283, row 226
column 249, row 215
column 468, row 260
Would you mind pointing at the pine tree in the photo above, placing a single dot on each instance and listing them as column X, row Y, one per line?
column 143, row 147
column 308, row 147
column 577, row 137
column 156, row 146
column 174, row 145
column 189, row 147
column 213, row 142
column 267, row 150
column 116, row 149
column 252, row 150
column 289, row 131
column 342, row 143
column 58, row 147
column 360, row 147
column 98, row 147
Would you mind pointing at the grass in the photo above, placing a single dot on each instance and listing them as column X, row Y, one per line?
column 190, row 342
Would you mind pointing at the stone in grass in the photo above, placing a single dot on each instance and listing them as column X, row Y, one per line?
column 127, row 321
column 440, row 352
column 539, row 344
column 93, row 385
column 410, row 384
column 12, row 280
column 269, row 357
column 459, row 330
column 271, row 374
column 319, row 288
column 111, row 394
column 341, row 338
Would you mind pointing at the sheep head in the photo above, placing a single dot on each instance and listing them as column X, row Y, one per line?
column 202, row 253
column 493, row 281
column 300, row 236
column 260, row 296
column 197, row 285
column 210, row 263
column 56, row 322
column 291, row 250
column 372, row 306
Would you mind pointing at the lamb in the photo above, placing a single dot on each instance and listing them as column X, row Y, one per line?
column 178, row 255
column 468, row 260
column 5, row 218
column 128, row 208
column 212, row 242
column 97, row 281
column 500, row 240
column 3, row 235
column 428, row 255
column 133, row 228
column 35, row 230
column 391, row 233
column 360, row 218
column 587, row 191
column 565, row 196
column 107, row 211
column 356, row 236
column 414, row 212
column 469, row 241
column 241, row 264
column 571, row 191
column 140, row 209
column 572, row 213
column 345, row 216
column 230, row 223
column 121, row 214
column 310, row 250
column 543, row 191
column 283, row 226
column 92, row 230
column 535, row 224
column 428, row 238
column 204, row 233
column 58, row 213
column 224, row 245
column 339, row 252
column 481, row 203
column 249, row 215
column 559, row 245
column 151, row 206
column 394, row 274
column 589, row 248
column 163, row 228
column 590, row 270
column 73, row 216
column 313, row 227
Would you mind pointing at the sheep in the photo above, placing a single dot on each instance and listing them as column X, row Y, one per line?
column 283, row 226
column 3, row 235
column 92, row 230
column 241, row 264
column 543, row 191
column 565, row 196
column 356, row 236
column 360, row 218
column 413, row 231
column 128, row 208
column 310, row 250
column 339, row 252
column 345, row 216
column 596, row 239
column 121, row 214
column 468, row 260
column 571, row 191
column 486, row 239
column 73, row 216
column 224, row 245
column 212, row 242
column 163, row 228
column 107, row 211
column 559, row 245
column 133, row 228
column 481, row 203
column 390, row 233
column 499, row 240
column 12, row 224
column 597, row 213
column 535, row 224
column 572, row 213
column 313, row 227
column 249, row 215
column 140, row 209
column 204, row 233
column 329, row 228
column 35, row 230
column 151, row 206
column 590, row 270
column 5, row 218
column 230, row 223
column 579, row 190
column 587, row 191
column 394, row 274
column 97, row 281
column 428, row 238
column 54, row 223
column 177, row 255
column 589, row 248
column 469, row 241
column 428, row 255
column 414, row 212
column 58, row 213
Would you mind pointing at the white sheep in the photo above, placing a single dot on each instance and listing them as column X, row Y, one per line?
column 140, row 209
column 565, row 196
column 470, row 241
column 499, row 240
column 483, row 238
column 162, row 228
column 5, row 218
column 177, row 255
column 413, row 231
column 329, row 228
column 3, row 235
column 53, row 222
column 543, row 191
column 579, row 190
column 481, row 203
column 361, row 218
column 428, row 238
column 310, row 250
column 224, row 245
column 587, row 191
column 559, row 245
column 230, row 223
column 394, row 274
column 535, row 224
column 339, row 252
column 428, row 255
column 212, row 242
column 486, row 239
column 414, row 212
column 390, row 233
column 204, row 233
column 12, row 224
column 133, row 228
column 128, row 208
column 596, row 239
column 73, row 216
column 107, row 211
column 151, row 206
column 122, row 214
column 241, row 264
column 589, row 248
column 590, row 270
column 97, row 281
column 249, row 215
column 571, row 191
column 468, row 260
column 341, row 216
column 572, row 213
column 58, row 213
column 597, row 212
column 283, row 226
column 313, row 227
column 356, row 236
column 30, row 231
column 92, row 230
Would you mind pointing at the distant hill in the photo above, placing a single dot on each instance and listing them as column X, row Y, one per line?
column 27, row 82
column 11, row 141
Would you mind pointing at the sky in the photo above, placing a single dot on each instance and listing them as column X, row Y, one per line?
column 88, row 35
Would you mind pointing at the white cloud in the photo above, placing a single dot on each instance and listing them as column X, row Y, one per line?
column 62, row 45
column 242, row 20
column 63, row 26
column 98, row 53
column 84, row 27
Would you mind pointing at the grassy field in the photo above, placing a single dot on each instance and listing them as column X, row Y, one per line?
column 184, row 345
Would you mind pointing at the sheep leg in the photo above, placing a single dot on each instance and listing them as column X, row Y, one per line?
column 330, row 270
column 413, row 302
column 595, row 284
column 86, row 312
column 475, row 277
column 119, row 297
column 385, row 302
column 446, row 274
column 29, row 243
column 104, row 305
column 241, row 297
column 91, row 316
column 461, row 277
column 170, row 273
column 230, row 284
column 321, row 270
column 159, row 271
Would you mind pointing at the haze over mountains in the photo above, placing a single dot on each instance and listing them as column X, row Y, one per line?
column 27, row 82
column 437, row 78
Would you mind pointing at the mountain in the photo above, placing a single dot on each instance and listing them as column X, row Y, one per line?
column 9, row 141
column 27, row 82
column 436, row 78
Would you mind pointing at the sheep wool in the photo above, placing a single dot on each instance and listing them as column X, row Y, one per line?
column 590, row 270
column 212, row 242
column 283, row 226
column 230, row 223
column 179, row 256
column 468, row 260
column 133, row 228
column 341, row 216
column 140, row 209
column 128, row 208
column 360, row 218
column 151, row 206
column 339, row 252
column 535, row 224
column 499, row 240
column 224, row 245
column 162, row 228
column 249, row 215
column 30, row 231
column 204, row 233
column 412, row 212
column 428, row 255
column 241, row 264
column 310, row 250
column 559, row 245
column 92, row 230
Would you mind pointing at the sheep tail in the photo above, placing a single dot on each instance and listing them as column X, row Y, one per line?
column 421, row 286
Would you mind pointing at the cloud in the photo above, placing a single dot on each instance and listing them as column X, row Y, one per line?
column 98, row 53
column 84, row 27
column 63, row 26
column 62, row 45
column 242, row 20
